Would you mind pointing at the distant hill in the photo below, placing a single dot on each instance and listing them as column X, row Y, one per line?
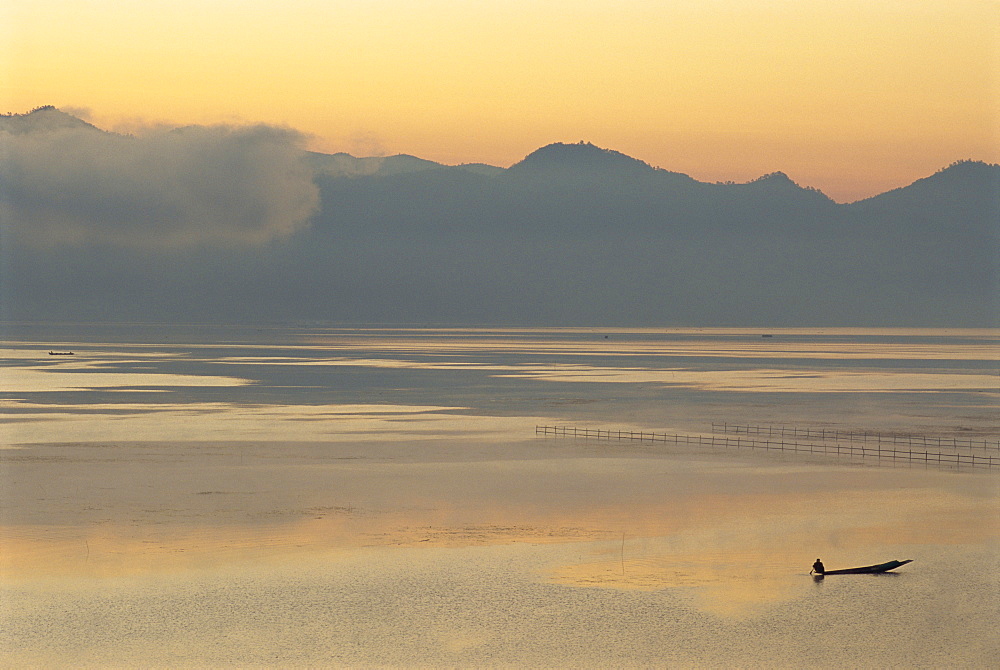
column 964, row 195
column 585, row 165
column 962, row 180
column 346, row 165
column 582, row 158
column 41, row 119
column 572, row 234
column 578, row 234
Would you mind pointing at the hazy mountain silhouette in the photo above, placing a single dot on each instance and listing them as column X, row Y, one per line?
column 42, row 119
column 346, row 165
column 572, row 234
column 583, row 159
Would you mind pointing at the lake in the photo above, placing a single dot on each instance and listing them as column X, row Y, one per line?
column 313, row 496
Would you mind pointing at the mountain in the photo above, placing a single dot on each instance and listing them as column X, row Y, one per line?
column 608, row 239
column 965, row 180
column 584, row 165
column 964, row 195
column 572, row 235
column 346, row 165
column 41, row 120
column 583, row 158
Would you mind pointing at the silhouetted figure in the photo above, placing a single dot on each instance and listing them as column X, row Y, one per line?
column 818, row 567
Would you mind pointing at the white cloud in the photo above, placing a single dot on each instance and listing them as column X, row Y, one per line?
column 217, row 185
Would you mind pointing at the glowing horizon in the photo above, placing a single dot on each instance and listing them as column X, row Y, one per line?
column 847, row 97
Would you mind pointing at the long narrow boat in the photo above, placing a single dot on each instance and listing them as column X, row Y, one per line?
column 868, row 569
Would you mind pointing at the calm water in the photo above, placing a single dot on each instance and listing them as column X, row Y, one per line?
column 940, row 382
column 313, row 496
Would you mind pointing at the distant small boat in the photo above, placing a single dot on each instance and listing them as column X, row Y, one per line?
column 867, row 570
column 61, row 353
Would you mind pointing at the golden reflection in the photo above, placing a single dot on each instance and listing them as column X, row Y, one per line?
column 771, row 380
column 724, row 584
column 38, row 379
column 978, row 344
column 206, row 421
column 786, row 343
column 983, row 351
column 109, row 550
column 745, row 552
column 732, row 550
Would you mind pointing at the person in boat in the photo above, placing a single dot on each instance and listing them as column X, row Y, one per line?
column 818, row 567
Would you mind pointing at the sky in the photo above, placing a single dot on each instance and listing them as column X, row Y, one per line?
column 848, row 96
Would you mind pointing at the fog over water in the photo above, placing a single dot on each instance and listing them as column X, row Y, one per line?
column 223, row 496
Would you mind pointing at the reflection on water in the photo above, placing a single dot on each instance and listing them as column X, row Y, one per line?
column 191, row 421
column 764, row 380
column 386, row 484
column 37, row 380
column 289, row 382
column 739, row 552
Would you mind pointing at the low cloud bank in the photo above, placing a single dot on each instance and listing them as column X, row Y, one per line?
column 70, row 183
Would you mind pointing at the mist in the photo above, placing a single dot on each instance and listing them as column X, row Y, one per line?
column 69, row 184
column 238, row 224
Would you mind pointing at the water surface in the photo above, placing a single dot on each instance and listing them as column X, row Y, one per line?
column 254, row 497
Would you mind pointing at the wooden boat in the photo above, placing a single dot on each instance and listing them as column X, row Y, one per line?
column 60, row 353
column 868, row 569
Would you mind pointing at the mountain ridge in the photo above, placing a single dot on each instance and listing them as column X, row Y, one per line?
column 582, row 163
column 577, row 235
column 579, row 157
column 43, row 119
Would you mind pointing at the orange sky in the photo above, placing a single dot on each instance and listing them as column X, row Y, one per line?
column 850, row 96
